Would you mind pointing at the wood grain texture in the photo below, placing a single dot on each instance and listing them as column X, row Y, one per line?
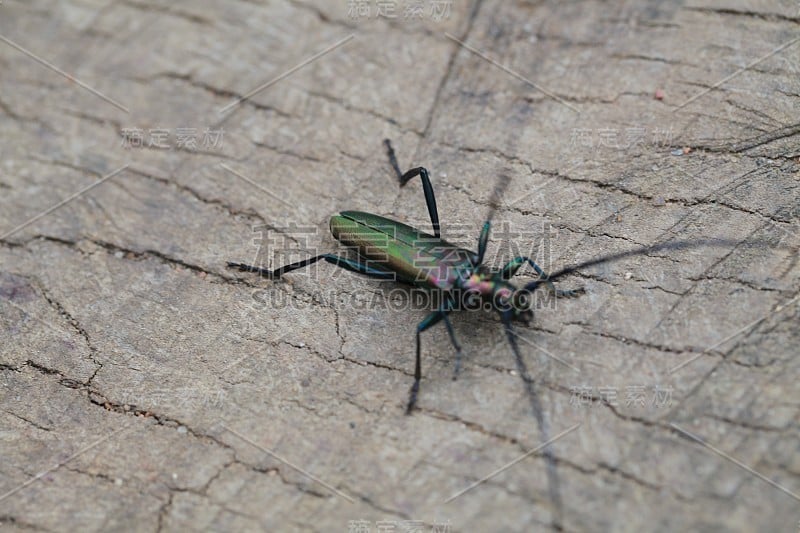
column 121, row 327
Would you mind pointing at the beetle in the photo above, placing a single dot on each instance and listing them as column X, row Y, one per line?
column 391, row 250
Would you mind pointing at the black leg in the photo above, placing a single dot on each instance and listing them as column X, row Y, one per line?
column 455, row 344
column 511, row 268
column 422, row 172
column 430, row 320
column 347, row 264
column 483, row 240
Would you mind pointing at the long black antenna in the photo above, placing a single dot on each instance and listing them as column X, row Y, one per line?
column 636, row 251
column 553, row 483
column 552, row 473
column 538, row 413
column 503, row 181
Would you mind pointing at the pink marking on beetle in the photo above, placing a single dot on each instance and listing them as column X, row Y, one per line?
column 473, row 282
column 504, row 292
column 478, row 284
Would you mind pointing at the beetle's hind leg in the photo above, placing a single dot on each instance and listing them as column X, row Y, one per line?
column 393, row 159
column 570, row 293
column 422, row 172
column 249, row 268
column 347, row 264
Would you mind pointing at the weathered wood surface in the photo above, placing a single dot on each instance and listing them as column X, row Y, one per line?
column 122, row 329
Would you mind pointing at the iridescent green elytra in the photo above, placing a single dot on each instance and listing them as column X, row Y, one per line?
column 415, row 257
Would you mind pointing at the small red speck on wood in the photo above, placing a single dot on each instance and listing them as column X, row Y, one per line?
column 659, row 94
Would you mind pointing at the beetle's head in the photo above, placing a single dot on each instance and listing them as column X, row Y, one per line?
column 487, row 289
column 508, row 300
column 521, row 307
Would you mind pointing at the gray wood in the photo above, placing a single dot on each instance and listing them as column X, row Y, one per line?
column 122, row 328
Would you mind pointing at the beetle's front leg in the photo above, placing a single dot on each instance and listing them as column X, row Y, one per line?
column 511, row 268
column 456, row 345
